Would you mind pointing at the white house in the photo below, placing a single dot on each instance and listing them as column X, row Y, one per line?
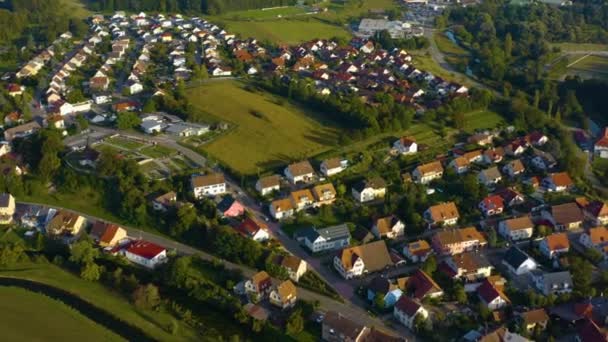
column 489, row 177
column 324, row 239
column 596, row 238
column 208, row 185
column 369, row 190
column 554, row 245
column 516, row 229
column 299, row 172
column 284, row 295
column 406, row 145
column 151, row 126
column 388, row 227
column 269, row 184
column 146, row 254
column 553, row 283
column 425, row 173
column 333, row 166
column 518, row 262
column 491, row 297
column 406, row 310
column 355, row 261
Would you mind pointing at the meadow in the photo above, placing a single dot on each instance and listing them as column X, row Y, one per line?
column 590, row 67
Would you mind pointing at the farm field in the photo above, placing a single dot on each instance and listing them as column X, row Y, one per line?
column 264, row 14
column 581, row 47
column 269, row 131
column 41, row 311
column 590, row 67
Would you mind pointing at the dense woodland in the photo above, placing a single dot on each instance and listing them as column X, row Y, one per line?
column 187, row 6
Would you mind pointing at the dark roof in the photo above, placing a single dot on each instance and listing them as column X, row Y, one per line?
column 407, row 305
column 590, row 332
column 5, row 199
column 515, row 257
column 225, row 203
column 379, row 285
column 342, row 325
column 329, row 233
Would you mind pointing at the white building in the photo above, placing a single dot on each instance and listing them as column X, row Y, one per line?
column 406, row 310
column 146, row 254
column 324, row 239
column 208, row 185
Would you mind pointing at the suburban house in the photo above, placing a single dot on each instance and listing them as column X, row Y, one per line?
column 254, row 229
column 456, row 241
column 510, row 197
column 417, row 251
column 516, row 228
column 406, row 310
column 469, row 266
column 284, row 295
column 595, row 212
column 514, row 168
column 406, row 145
column 355, row 261
column 259, row 284
column 208, row 185
column 543, row 160
column 553, row 283
column 565, row 216
column 146, row 254
column 302, row 199
column 492, row 296
column 387, row 289
column 300, row 172
column 324, row 194
column 481, row 139
column 281, row 208
column 600, row 148
column 230, row 207
column 516, row 147
column 557, row 182
column 7, row 208
column 269, row 184
column 492, row 205
column 589, row 331
column 460, row 165
column 536, row 138
column 445, row 214
column 295, row 266
column 489, row 177
column 554, row 245
column 65, row 223
column 420, row 285
column 596, row 238
column 107, row 234
column 534, row 318
column 164, row 201
column 518, row 262
column 369, row 189
column 333, row 166
column 493, row 155
column 324, row 239
column 21, row 131
column 337, row 328
column 389, row 227
column 425, row 173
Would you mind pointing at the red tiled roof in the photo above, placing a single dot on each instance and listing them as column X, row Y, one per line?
column 251, row 226
column 590, row 332
column 145, row 249
column 407, row 305
column 493, row 202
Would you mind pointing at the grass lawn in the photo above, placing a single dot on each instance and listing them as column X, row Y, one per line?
column 157, row 151
column 482, row 119
column 340, row 11
column 21, row 310
column 423, row 61
column 152, row 322
column 446, row 46
column 259, row 14
column 125, row 143
column 581, row 47
column 76, row 8
column 269, row 131
column 592, row 64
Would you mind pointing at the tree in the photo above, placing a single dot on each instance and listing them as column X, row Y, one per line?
column 146, row 297
column 295, row 323
column 127, row 120
column 83, row 123
column 379, row 301
column 90, row 272
column 83, row 252
column 430, row 265
column 508, row 45
column 492, row 237
column 459, row 294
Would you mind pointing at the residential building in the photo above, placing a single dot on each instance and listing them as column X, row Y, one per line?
column 492, row 296
column 600, row 148
column 493, row 155
column 406, row 145
column 295, row 266
column 301, row 172
column 7, row 208
column 469, row 266
column 324, row 239
column 456, row 241
column 146, row 254
column 565, row 216
column 536, row 138
column 501, row 334
column 164, row 201
column 259, row 284
column 420, row 285
column 516, row 228
column 65, row 223
column 269, row 184
column 355, row 261
column 209, row 185
column 554, row 245
column 426, row 173
column 282, row 208
column 324, row 194
column 534, row 318
column 337, row 328
column 254, row 229
column 228, row 206
column 21, row 131
column 406, row 310
column 489, row 177
column 417, row 251
column 481, row 139
column 596, row 212
column 333, row 166
column 510, row 197
column 596, row 238
column 518, row 262
column 387, row 289
column 284, row 295
column 553, row 283
column 302, row 199
column 557, row 182
column 107, row 234
column 491, row 205
column 460, row 165
column 389, row 227
column 543, row 160
column 369, row 190
column 514, row 168
column 445, row 214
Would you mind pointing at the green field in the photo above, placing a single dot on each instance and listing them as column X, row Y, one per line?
column 590, row 67
column 342, row 11
column 259, row 14
column 482, row 119
column 581, row 47
column 28, row 316
column 157, row 151
column 423, row 61
column 127, row 144
column 285, row 31
column 269, row 131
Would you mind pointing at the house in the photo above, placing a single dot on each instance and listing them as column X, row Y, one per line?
column 425, row 173
column 324, row 194
column 369, row 189
column 565, row 216
column 534, row 318
column 230, row 207
column 514, row 168
column 295, row 266
column 543, row 160
column 100, row 99
column 284, row 296
column 21, row 131
column 260, row 284
column 500, row 334
column 445, row 214
column 554, row 244
column 510, row 197
column 518, row 262
column 324, row 239
column 164, row 201
column 420, row 285
column 134, row 87
column 589, row 331
column 493, row 155
column 406, row 145
column 208, row 185
column 596, row 238
column 5, row 148
column 7, row 208
column 13, row 118
column 254, row 229
column 596, row 212
column 553, row 283
column 107, row 234
column 489, row 177
column 536, row 139
column 146, row 254
column 337, row 328
column 456, row 241
column 469, row 266
column 406, row 310
column 65, row 223
column 600, row 148
column 516, row 147
column 557, row 182
column 269, row 184
column 355, row 261
column 151, row 126
column 15, row 89
column 516, row 228
column 460, row 165
column 332, row 166
column 417, row 251
column 382, row 287
column 492, row 205
column 281, row 208
column 299, row 172
column 99, row 83
column 389, row 227
column 302, row 199
column 491, row 296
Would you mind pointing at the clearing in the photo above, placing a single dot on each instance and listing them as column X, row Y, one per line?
column 63, row 322
column 482, row 119
column 568, row 47
column 269, row 130
column 589, row 67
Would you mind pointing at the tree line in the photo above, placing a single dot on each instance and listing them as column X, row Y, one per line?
column 188, row 6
